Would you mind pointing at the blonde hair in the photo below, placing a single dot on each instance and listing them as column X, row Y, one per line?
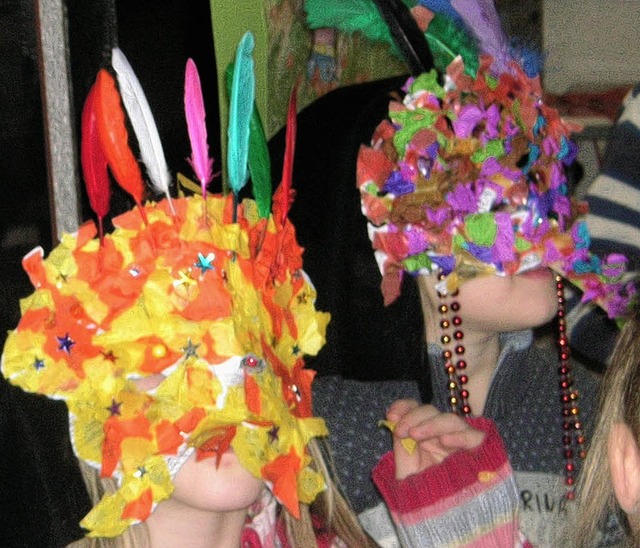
column 135, row 536
column 330, row 506
column 619, row 402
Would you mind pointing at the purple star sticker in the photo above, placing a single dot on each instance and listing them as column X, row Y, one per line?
column 65, row 343
column 114, row 408
column 273, row 434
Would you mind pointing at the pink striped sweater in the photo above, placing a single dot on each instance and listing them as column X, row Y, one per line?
column 470, row 499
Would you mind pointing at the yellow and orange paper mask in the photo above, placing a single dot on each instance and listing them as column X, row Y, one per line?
column 221, row 309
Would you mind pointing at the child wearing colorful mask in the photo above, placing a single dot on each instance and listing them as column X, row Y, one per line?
column 177, row 343
column 464, row 187
column 608, row 487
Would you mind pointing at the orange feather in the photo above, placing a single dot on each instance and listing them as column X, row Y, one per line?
column 115, row 138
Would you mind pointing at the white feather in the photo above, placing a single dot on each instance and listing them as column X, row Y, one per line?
column 143, row 123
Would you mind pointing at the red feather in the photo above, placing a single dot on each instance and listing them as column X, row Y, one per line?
column 115, row 138
column 284, row 194
column 94, row 162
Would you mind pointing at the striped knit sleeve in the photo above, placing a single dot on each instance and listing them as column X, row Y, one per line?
column 470, row 499
column 614, row 195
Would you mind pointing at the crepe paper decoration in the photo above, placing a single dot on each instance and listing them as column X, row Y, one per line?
column 259, row 159
column 183, row 182
column 144, row 125
column 136, row 307
column 252, row 394
column 139, row 509
column 195, row 115
column 241, row 105
column 217, row 445
column 168, row 438
column 285, row 488
column 114, row 137
column 478, row 186
column 94, row 163
column 409, row 444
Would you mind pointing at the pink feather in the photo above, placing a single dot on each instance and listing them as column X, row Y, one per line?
column 195, row 114
column 94, row 162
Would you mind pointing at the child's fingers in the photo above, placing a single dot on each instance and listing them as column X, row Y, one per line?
column 437, row 426
column 462, row 440
column 400, row 408
column 415, row 414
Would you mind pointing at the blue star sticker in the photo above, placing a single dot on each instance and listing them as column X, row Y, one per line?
column 191, row 350
column 205, row 263
column 65, row 343
column 38, row 364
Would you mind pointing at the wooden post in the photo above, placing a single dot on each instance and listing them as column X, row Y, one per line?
column 58, row 116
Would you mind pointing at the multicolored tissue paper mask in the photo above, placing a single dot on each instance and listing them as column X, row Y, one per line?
column 468, row 178
column 183, row 330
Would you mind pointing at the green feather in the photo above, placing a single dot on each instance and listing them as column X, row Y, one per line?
column 350, row 16
column 259, row 160
column 241, row 101
column 445, row 38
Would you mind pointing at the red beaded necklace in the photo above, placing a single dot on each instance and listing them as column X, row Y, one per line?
column 455, row 365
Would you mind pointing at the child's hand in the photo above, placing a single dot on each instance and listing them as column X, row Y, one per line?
column 436, row 434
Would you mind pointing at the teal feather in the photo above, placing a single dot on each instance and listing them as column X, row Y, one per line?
column 445, row 37
column 240, row 107
column 259, row 160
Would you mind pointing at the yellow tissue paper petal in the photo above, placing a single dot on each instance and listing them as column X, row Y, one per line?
column 408, row 443
column 310, row 483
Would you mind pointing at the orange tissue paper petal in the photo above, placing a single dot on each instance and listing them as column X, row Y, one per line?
column 217, row 445
column 115, row 430
column 190, row 420
column 33, row 266
column 168, row 438
column 139, row 509
column 212, row 301
column 282, row 473
column 252, row 394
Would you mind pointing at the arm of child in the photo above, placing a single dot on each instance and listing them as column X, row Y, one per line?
column 455, row 488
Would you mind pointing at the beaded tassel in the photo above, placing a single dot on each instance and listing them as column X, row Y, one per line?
column 458, row 395
column 572, row 437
